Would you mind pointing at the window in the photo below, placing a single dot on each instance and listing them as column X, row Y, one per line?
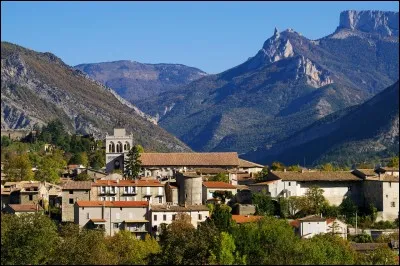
column 289, row 184
column 112, row 198
column 127, row 198
column 87, row 215
column 173, row 217
column 103, row 198
column 387, row 196
column 71, row 192
column 164, row 217
column 393, row 204
column 390, row 184
column 30, row 197
column 155, row 217
column 116, row 225
column 200, row 216
column 160, row 200
column 349, row 188
column 103, row 189
column 71, row 201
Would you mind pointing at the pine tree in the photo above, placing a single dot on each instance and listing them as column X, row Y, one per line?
column 132, row 163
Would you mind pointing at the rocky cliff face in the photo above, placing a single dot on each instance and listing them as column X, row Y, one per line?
column 135, row 81
column 38, row 87
column 384, row 23
column 289, row 84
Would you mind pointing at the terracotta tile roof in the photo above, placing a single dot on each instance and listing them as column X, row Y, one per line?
column 25, row 207
column 190, row 159
column 95, row 220
column 314, row 176
column 176, row 208
column 218, row 184
column 123, row 183
column 125, row 204
column 247, row 164
column 77, row 185
column 246, row 218
column 295, row 223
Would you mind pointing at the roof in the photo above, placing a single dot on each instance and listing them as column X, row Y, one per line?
column 246, row 218
column 25, row 207
column 218, row 184
column 264, row 183
column 312, row 218
column 123, row 183
column 94, row 220
column 176, row 208
column 120, row 204
column 314, row 176
column 77, row 185
column 295, row 223
column 136, row 221
column 8, row 191
column 384, row 178
column 364, row 172
column 390, row 169
column 190, row 159
column 216, row 170
column 367, row 246
column 247, row 164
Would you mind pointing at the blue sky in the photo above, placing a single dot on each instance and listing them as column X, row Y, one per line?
column 212, row 36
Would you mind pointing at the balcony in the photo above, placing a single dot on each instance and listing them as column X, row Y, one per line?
column 130, row 192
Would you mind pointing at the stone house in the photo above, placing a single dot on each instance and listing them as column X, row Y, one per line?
column 382, row 190
column 19, row 209
column 210, row 187
column 337, row 185
column 167, row 214
column 171, row 193
column 249, row 167
column 129, row 190
column 312, row 225
column 113, row 216
column 189, row 188
column 73, row 191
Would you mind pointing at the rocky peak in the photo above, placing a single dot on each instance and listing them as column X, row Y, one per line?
column 315, row 75
column 385, row 23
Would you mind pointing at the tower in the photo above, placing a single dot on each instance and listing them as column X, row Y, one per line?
column 117, row 146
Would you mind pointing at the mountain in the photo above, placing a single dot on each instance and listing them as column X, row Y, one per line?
column 290, row 83
column 355, row 134
column 39, row 87
column 135, row 81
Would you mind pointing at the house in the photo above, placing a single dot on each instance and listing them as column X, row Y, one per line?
column 383, row 193
column 312, row 225
column 210, row 187
column 164, row 165
column 10, row 195
column 113, row 216
column 19, row 209
column 249, row 167
column 129, row 190
column 26, row 192
column 337, row 185
column 167, row 214
column 171, row 193
column 73, row 191
column 241, row 219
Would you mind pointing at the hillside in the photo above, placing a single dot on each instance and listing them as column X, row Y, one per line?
column 289, row 84
column 358, row 133
column 39, row 87
column 134, row 81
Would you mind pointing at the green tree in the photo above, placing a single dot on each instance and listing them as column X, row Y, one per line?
column 330, row 210
column 294, row 168
column 262, row 175
column 314, row 200
column 394, row 161
column 284, row 209
column 83, row 247
column 18, row 168
column 27, row 239
column 222, row 217
column 51, row 167
column 220, row 177
column 348, row 208
column 361, row 238
column 82, row 177
column 380, row 256
column 226, row 254
column 264, row 204
column 97, row 159
column 295, row 204
column 277, row 166
column 327, row 167
column 222, row 195
column 5, row 141
column 130, row 251
column 132, row 163
column 140, row 148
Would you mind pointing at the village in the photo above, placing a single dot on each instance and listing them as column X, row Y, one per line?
column 172, row 184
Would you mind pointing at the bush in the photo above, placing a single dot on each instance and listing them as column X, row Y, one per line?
column 361, row 238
